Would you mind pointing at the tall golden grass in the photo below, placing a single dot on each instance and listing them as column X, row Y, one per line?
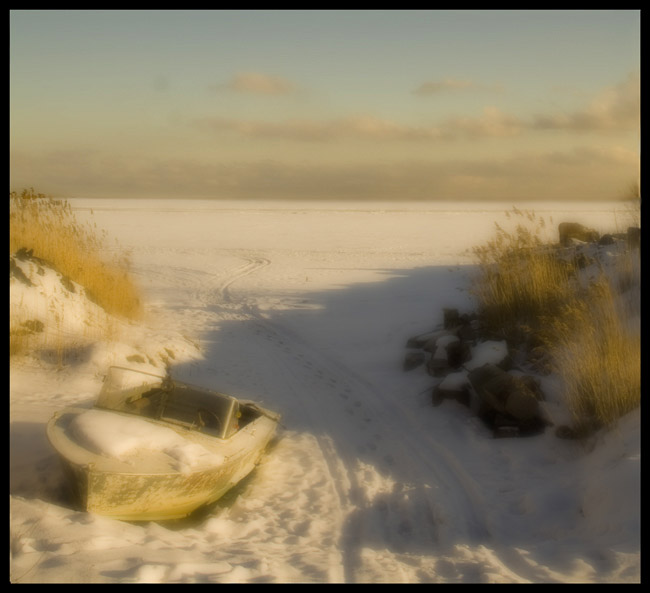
column 526, row 293
column 50, row 229
column 598, row 356
column 521, row 283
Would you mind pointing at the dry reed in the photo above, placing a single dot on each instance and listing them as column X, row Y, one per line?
column 521, row 283
column 526, row 293
column 597, row 353
column 49, row 229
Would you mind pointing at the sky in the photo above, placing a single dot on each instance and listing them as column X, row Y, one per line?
column 326, row 104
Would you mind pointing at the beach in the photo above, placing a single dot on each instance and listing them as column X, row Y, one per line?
column 307, row 307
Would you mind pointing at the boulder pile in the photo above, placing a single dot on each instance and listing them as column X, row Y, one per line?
column 479, row 374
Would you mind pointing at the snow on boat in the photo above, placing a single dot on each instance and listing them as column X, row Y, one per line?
column 154, row 449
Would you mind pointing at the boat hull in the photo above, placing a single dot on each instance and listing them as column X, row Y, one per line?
column 142, row 489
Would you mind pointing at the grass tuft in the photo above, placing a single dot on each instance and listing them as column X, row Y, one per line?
column 521, row 283
column 48, row 228
column 529, row 295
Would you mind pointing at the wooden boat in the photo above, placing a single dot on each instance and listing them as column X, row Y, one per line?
column 155, row 449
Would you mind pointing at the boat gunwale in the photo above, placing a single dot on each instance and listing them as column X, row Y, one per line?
column 57, row 441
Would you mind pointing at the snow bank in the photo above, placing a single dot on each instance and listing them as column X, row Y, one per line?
column 59, row 321
column 40, row 294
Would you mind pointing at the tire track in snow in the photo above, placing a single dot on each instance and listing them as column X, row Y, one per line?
column 409, row 512
column 300, row 376
column 252, row 265
column 348, row 404
column 296, row 372
column 219, row 295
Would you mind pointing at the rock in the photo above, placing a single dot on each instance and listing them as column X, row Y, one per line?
column 454, row 386
column 606, row 239
column 420, row 340
column 439, row 362
column 575, row 432
column 443, row 343
column 431, row 344
column 521, row 402
column 574, row 230
column 468, row 332
column 506, row 399
column 24, row 254
column 412, row 360
column 451, row 318
column 16, row 272
column 634, row 237
column 491, row 384
column 458, row 353
column 581, row 261
column 489, row 352
column 27, row 255
column 534, row 386
column 437, row 366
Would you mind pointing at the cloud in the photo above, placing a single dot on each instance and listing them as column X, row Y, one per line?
column 491, row 123
column 359, row 127
column 258, row 84
column 586, row 173
column 615, row 108
column 450, row 84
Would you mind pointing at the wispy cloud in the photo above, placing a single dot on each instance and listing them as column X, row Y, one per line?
column 435, row 87
column 257, row 83
column 491, row 123
column 615, row 108
column 357, row 127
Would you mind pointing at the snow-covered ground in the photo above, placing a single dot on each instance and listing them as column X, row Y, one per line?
column 307, row 308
